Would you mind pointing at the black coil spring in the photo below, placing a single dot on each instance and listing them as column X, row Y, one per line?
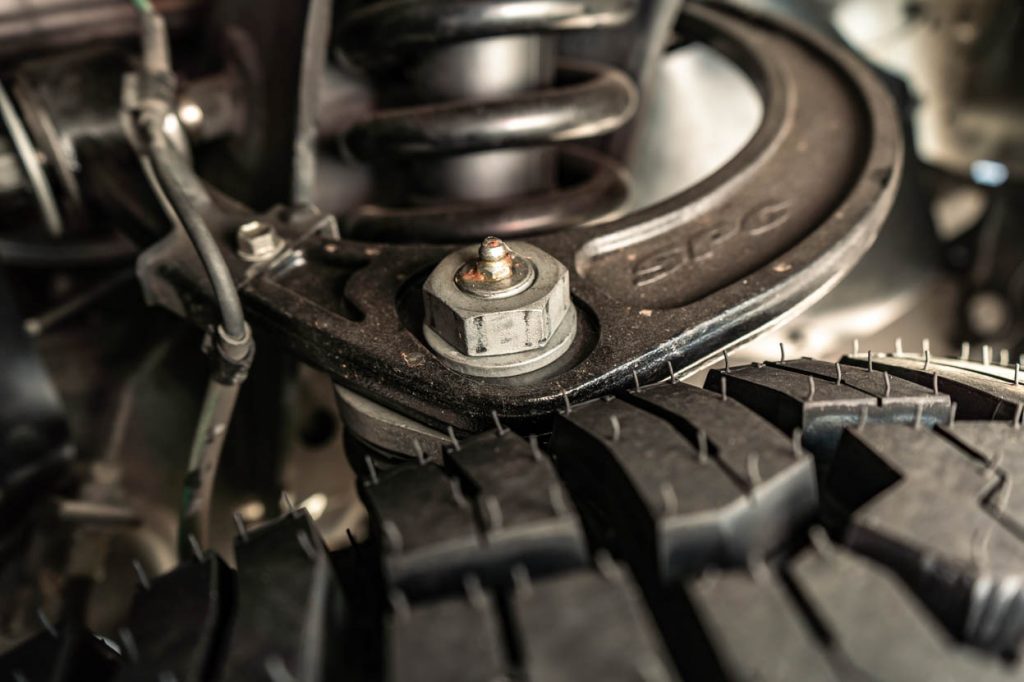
column 590, row 101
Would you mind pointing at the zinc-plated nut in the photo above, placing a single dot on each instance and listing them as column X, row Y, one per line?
column 258, row 241
column 480, row 326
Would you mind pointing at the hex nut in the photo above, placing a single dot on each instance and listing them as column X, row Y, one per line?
column 512, row 364
column 258, row 241
column 479, row 326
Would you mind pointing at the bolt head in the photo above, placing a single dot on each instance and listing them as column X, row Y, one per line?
column 497, row 271
column 258, row 241
column 492, row 250
column 476, row 325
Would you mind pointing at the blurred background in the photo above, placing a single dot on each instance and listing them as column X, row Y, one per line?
column 948, row 269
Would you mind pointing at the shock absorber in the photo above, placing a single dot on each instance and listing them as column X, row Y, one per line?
column 476, row 137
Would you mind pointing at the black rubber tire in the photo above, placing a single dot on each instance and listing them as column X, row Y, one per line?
column 794, row 520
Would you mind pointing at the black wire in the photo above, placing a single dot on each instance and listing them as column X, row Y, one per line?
column 185, row 193
column 188, row 198
column 179, row 183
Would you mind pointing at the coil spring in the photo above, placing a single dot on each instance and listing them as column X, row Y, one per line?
column 503, row 135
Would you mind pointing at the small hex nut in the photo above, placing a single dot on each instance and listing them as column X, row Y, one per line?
column 258, row 241
column 479, row 326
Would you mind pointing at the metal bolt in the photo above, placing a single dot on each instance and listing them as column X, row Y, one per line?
column 498, row 310
column 497, row 271
column 493, row 250
column 258, row 241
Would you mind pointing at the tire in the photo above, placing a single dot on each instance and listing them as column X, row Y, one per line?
column 794, row 520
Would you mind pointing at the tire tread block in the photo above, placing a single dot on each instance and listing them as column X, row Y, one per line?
column 871, row 383
column 878, row 626
column 647, row 453
column 503, row 506
column 735, row 434
column 873, row 457
column 788, row 389
column 924, row 509
column 454, row 639
column 175, row 623
column 585, row 625
column 941, row 545
column 525, row 513
column 1001, row 446
column 428, row 533
column 755, row 630
column 980, row 391
column 780, row 482
column 288, row 605
column 648, row 486
column 785, row 399
column 676, row 510
column 804, row 394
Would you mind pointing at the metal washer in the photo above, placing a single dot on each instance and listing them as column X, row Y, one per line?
column 511, row 364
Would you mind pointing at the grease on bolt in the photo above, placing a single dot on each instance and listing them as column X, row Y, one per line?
column 496, row 272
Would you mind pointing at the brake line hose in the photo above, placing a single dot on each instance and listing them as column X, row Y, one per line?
column 232, row 343
column 185, row 193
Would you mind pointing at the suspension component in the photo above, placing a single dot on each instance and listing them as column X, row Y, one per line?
column 708, row 267
column 476, row 113
column 498, row 310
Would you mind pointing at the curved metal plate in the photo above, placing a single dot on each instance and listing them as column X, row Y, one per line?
column 760, row 238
